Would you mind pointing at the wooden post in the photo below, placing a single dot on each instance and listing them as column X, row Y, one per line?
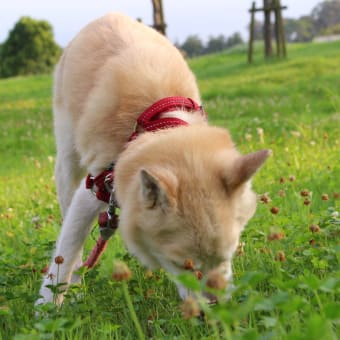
column 267, row 28
column 278, row 38
column 158, row 16
column 268, row 7
column 251, row 34
column 282, row 33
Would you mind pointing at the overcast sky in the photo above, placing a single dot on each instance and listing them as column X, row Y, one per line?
column 183, row 17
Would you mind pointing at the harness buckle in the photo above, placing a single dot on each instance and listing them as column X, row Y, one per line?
column 108, row 182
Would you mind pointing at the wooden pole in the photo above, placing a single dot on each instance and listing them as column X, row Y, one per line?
column 268, row 7
column 251, row 34
column 277, row 28
column 267, row 28
column 158, row 16
column 282, row 33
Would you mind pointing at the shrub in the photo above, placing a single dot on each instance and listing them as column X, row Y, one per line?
column 29, row 49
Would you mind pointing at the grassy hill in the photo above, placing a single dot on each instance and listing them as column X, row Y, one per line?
column 287, row 270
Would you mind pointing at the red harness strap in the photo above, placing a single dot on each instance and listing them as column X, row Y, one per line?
column 150, row 119
column 102, row 184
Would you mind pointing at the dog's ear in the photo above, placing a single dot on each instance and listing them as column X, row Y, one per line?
column 245, row 167
column 153, row 192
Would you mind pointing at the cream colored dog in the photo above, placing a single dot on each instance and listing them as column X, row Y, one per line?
column 184, row 192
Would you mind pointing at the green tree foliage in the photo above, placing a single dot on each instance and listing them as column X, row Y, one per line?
column 323, row 19
column 323, row 16
column 234, row 39
column 299, row 30
column 193, row 45
column 29, row 49
column 326, row 14
column 335, row 29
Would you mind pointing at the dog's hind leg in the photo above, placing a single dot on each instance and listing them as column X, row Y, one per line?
column 76, row 227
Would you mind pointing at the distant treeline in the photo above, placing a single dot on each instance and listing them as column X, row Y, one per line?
column 30, row 47
column 324, row 19
column 193, row 46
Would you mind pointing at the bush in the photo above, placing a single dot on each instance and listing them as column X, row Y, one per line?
column 29, row 49
column 331, row 30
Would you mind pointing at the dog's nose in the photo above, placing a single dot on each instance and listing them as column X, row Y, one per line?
column 211, row 298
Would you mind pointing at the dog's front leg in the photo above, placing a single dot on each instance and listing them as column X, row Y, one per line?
column 76, row 227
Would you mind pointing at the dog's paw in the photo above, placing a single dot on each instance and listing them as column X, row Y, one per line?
column 47, row 296
column 75, row 279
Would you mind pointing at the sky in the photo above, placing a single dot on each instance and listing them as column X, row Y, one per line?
column 183, row 17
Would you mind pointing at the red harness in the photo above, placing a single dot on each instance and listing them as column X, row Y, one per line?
column 102, row 185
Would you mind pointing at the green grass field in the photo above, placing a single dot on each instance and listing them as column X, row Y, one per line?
column 287, row 278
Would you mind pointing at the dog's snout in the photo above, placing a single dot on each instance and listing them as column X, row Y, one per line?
column 211, row 298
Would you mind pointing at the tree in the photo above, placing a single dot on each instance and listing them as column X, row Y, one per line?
column 193, row 46
column 326, row 14
column 335, row 29
column 29, row 49
column 215, row 44
column 234, row 39
column 299, row 30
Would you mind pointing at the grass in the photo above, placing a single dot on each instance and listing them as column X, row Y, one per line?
column 287, row 277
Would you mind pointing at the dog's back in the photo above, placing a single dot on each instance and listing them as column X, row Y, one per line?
column 114, row 69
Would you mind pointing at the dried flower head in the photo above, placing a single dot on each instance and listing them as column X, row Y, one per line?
column 314, row 228
column 324, row 197
column 280, row 256
column 282, row 180
column 190, row 308
column 282, row 193
column 336, row 195
column 121, row 271
column 59, row 259
column 264, row 198
column 188, row 264
column 304, row 193
column 292, row 178
column 274, row 210
column 240, row 249
column 307, row 202
column 50, row 276
column 216, row 280
column 275, row 236
column 198, row 275
column 312, row 242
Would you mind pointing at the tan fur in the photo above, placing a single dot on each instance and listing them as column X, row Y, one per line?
column 184, row 192
column 200, row 221
column 108, row 75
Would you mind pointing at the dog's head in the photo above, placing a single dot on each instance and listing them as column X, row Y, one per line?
column 185, row 194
